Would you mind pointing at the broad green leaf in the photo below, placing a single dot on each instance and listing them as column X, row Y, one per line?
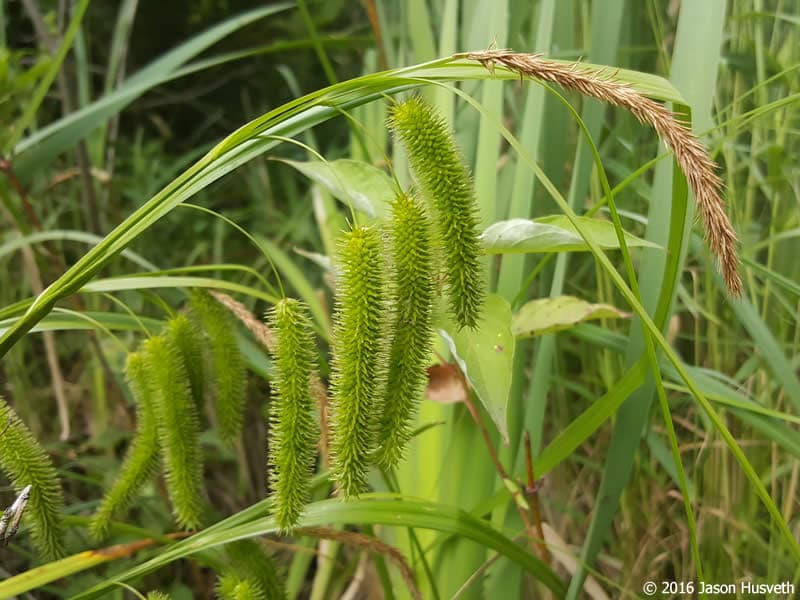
column 353, row 182
column 547, row 315
column 486, row 357
column 554, row 233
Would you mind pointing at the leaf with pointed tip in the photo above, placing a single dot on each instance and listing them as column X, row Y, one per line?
column 547, row 315
column 552, row 234
column 353, row 182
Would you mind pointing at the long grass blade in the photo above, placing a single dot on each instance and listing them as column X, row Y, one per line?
column 374, row 509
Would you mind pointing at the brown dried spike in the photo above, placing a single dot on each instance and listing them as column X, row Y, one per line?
column 692, row 157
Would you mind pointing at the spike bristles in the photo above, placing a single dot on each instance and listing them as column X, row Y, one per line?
column 359, row 357
column 293, row 431
column 691, row 155
column 446, row 183
column 178, row 430
column 249, row 560
column 25, row 463
column 142, row 460
column 187, row 337
column 232, row 586
column 228, row 369
column 412, row 292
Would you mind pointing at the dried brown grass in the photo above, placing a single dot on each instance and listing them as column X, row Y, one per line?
column 690, row 154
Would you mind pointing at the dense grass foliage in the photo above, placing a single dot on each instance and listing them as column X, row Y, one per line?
column 404, row 423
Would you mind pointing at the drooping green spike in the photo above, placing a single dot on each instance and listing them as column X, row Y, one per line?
column 178, row 430
column 445, row 182
column 144, row 454
column 26, row 463
column 186, row 335
column 412, row 293
column 227, row 365
column 250, row 560
column 359, row 359
column 293, row 431
column 233, row 587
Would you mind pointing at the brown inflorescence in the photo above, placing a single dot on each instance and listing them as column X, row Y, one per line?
column 691, row 155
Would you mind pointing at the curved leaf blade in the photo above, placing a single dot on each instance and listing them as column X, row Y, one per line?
column 369, row 509
column 353, row 182
column 553, row 234
column 556, row 313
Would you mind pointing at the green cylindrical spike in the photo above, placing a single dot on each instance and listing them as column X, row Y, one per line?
column 412, row 291
column 359, row 360
column 446, row 183
column 293, row 431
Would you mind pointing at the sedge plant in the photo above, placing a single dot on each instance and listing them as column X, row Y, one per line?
column 386, row 276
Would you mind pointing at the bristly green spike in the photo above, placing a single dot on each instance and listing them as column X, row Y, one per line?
column 359, row 358
column 293, row 431
column 249, row 560
column 144, row 454
column 188, row 338
column 444, row 180
column 178, row 430
column 233, row 587
column 227, row 364
column 25, row 463
column 412, row 291
column 156, row 595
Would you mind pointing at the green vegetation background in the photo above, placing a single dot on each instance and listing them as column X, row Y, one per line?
column 736, row 64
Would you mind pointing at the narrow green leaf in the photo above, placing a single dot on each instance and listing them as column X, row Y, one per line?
column 47, row 143
column 695, row 64
column 257, row 137
column 591, row 419
column 118, row 284
column 375, row 509
column 52, row 71
column 40, row 576
column 58, row 321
